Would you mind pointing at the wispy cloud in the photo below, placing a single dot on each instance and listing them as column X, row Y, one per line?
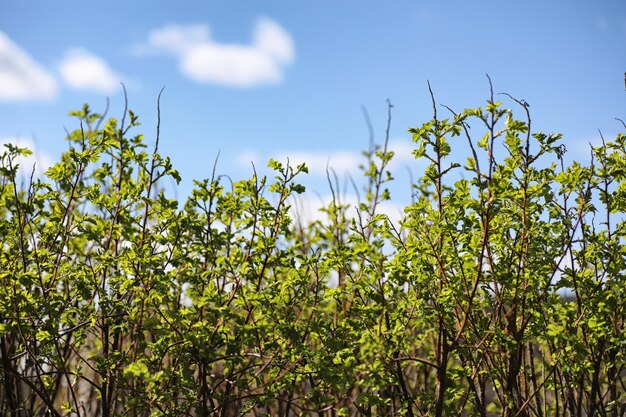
column 206, row 61
column 402, row 151
column 21, row 77
column 307, row 209
column 245, row 158
column 318, row 161
column 580, row 149
column 82, row 70
column 341, row 161
column 38, row 160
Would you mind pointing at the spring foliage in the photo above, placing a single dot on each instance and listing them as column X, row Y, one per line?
column 501, row 292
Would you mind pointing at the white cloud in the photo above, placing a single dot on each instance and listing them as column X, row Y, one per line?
column 248, row 157
column 40, row 160
column 82, row 70
column 341, row 161
column 580, row 149
column 306, row 209
column 273, row 40
column 318, row 161
column 402, row 151
column 21, row 77
column 209, row 62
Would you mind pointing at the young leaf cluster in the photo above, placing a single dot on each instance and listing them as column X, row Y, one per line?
column 501, row 292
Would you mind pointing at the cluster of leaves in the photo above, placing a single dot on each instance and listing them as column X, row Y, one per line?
column 501, row 292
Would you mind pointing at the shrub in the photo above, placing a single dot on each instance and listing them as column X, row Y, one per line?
column 500, row 292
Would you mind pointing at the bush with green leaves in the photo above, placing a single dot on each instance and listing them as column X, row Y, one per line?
column 501, row 291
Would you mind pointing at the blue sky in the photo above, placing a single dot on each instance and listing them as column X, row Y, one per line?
column 260, row 79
